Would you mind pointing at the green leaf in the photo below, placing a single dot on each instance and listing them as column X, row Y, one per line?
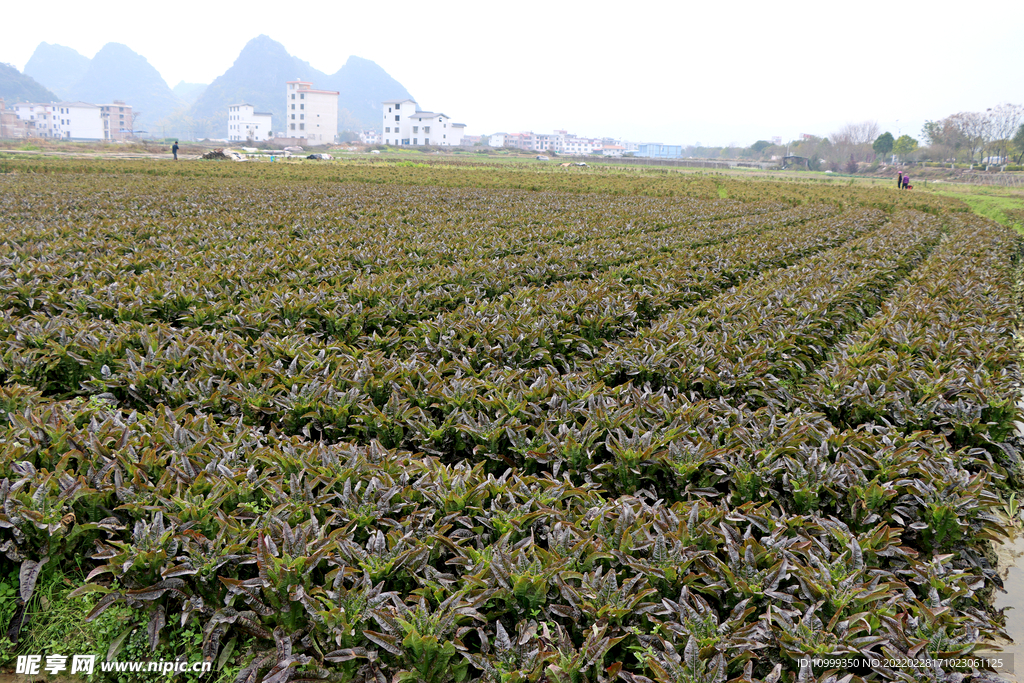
column 117, row 644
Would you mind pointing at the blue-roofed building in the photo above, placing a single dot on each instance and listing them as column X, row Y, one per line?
column 656, row 150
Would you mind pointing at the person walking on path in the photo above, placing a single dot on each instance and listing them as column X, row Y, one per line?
column 899, row 180
column 174, row 150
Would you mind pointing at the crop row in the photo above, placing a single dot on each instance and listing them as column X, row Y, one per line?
column 296, row 383
column 940, row 354
column 195, row 269
column 491, row 178
column 55, row 352
column 507, row 413
column 755, row 337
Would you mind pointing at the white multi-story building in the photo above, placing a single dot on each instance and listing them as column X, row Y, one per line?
column 36, row 116
column 13, row 127
column 311, row 114
column 369, row 137
column 245, row 123
column 79, row 121
column 553, row 142
column 519, row 140
column 405, row 124
column 64, row 120
column 575, row 145
column 560, row 142
column 457, row 134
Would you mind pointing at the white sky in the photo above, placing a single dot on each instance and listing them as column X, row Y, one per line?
column 674, row 72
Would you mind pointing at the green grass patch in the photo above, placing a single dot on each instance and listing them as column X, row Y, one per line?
column 1000, row 204
column 55, row 624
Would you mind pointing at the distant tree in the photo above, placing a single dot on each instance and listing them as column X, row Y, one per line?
column 882, row 146
column 853, row 139
column 851, row 165
column 760, row 146
column 969, row 135
column 1003, row 121
column 932, row 133
column 947, row 135
column 1018, row 142
column 973, row 128
column 904, row 146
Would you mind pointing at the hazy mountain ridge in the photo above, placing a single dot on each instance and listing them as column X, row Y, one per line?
column 363, row 86
column 18, row 87
column 57, row 67
column 260, row 72
column 189, row 92
column 119, row 73
column 257, row 77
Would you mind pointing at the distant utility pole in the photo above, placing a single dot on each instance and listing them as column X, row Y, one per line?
column 898, row 131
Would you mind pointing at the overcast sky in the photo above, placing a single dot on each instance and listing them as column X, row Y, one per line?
column 674, row 72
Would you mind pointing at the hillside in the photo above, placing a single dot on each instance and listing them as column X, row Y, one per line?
column 57, row 67
column 258, row 78
column 363, row 86
column 17, row 87
column 188, row 93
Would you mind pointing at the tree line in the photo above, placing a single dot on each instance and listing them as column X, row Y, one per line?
column 995, row 136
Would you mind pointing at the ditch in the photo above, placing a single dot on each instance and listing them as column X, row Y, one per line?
column 1011, row 599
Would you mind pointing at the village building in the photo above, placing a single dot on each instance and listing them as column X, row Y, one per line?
column 656, row 150
column 36, row 116
column 559, row 142
column 245, row 124
column 580, row 146
column 519, row 140
column 118, row 121
column 404, row 124
column 311, row 114
column 13, row 127
column 64, row 120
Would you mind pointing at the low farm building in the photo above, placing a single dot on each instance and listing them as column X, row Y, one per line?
column 656, row 150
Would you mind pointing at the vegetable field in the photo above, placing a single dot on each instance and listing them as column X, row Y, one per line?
column 379, row 423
